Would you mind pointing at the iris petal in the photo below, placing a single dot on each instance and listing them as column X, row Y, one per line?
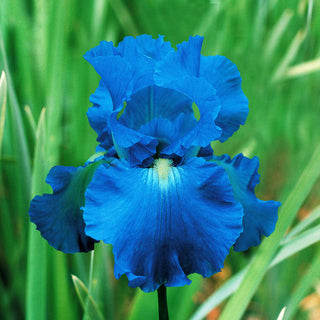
column 163, row 222
column 142, row 53
column 154, row 102
column 98, row 115
column 131, row 145
column 157, row 81
column 167, row 131
column 58, row 216
column 128, row 68
column 117, row 76
column 260, row 217
column 224, row 76
column 125, row 70
column 179, row 71
column 190, row 54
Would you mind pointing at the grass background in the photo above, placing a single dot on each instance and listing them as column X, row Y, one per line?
column 276, row 46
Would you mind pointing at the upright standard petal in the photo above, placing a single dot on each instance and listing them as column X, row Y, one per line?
column 154, row 102
column 99, row 113
column 164, row 222
column 224, row 76
column 132, row 145
column 58, row 216
column 260, row 217
column 179, row 71
column 128, row 68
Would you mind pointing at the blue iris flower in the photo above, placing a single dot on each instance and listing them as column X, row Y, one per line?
column 158, row 194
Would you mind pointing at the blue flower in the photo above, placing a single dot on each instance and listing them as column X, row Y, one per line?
column 167, row 205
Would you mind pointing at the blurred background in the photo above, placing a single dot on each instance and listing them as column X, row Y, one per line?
column 276, row 46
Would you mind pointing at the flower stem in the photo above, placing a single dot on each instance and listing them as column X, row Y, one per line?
column 162, row 303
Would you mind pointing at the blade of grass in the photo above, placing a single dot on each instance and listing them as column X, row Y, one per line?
column 303, row 69
column 299, row 243
column 309, row 278
column 224, row 292
column 103, row 288
column 260, row 21
column 23, row 52
column 100, row 11
column 289, row 56
column 36, row 297
column 3, row 103
column 87, row 302
column 125, row 18
column 87, row 305
column 277, row 32
column 304, row 224
column 259, row 265
column 22, row 148
column 60, row 16
column 41, row 37
column 282, row 313
column 56, row 77
column 178, row 296
column 62, row 300
column 304, row 241
column 143, row 306
column 309, row 14
column 31, row 120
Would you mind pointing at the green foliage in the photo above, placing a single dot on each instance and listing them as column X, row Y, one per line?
column 276, row 46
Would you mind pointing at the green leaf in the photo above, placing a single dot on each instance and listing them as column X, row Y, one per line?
column 225, row 291
column 125, row 17
column 144, row 306
column 304, row 241
column 259, row 265
column 30, row 119
column 311, row 275
column 3, row 103
column 294, row 242
column 178, row 296
column 304, row 224
column 93, row 312
column 282, row 313
column 20, row 141
column 36, row 297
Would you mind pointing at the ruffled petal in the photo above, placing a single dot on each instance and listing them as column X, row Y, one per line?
column 128, row 68
column 163, row 222
column 98, row 115
column 117, row 76
column 179, row 71
column 189, row 53
column 131, row 145
column 142, row 53
column 136, row 133
column 58, row 216
column 153, row 102
column 260, row 217
column 166, row 131
column 224, row 76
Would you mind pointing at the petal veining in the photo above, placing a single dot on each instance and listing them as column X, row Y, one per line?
column 164, row 222
column 154, row 102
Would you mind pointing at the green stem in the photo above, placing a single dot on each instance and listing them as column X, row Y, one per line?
column 87, row 306
column 162, row 302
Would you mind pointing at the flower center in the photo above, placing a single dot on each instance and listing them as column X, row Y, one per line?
column 163, row 166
